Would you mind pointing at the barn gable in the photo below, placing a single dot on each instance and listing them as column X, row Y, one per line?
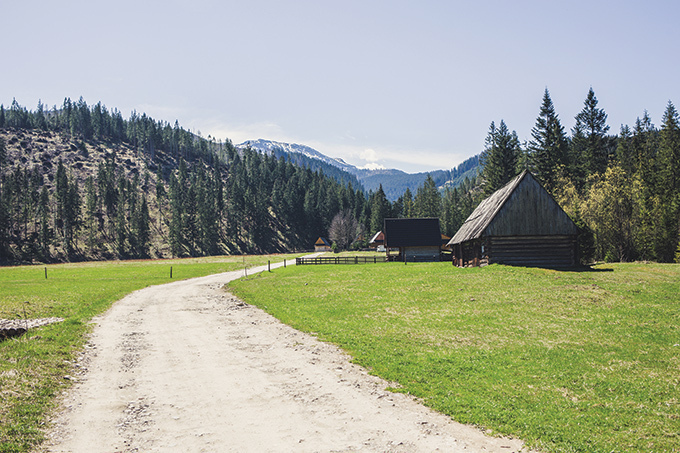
column 530, row 210
column 521, row 223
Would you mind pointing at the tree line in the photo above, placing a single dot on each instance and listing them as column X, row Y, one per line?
column 199, row 196
column 622, row 191
column 79, row 120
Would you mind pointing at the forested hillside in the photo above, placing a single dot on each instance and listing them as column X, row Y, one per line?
column 80, row 182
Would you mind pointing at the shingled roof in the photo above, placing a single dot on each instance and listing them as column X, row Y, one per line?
column 532, row 211
column 413, row 232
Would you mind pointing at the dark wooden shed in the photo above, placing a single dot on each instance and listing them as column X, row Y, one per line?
column 519, row 224
column 418, row 239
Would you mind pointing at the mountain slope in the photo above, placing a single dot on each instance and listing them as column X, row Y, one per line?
column 306, row 157
column 394, row 182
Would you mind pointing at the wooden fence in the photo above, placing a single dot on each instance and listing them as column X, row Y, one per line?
column 341, row 260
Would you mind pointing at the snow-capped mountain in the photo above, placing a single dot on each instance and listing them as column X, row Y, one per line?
column 393, row 181
column 270, row 146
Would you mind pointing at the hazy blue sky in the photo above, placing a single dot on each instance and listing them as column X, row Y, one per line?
column 412, row 85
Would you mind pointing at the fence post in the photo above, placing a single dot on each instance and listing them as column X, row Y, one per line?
column 284, row 263
column 45, row 273
column 170, row 271
column 269, row 267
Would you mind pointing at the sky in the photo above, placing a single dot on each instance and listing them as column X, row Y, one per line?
column 408, row 85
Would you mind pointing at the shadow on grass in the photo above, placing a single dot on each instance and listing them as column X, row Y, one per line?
column 578, row 269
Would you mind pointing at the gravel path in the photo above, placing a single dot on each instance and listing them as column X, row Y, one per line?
column 188, row 367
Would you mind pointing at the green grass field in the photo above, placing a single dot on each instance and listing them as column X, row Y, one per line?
column 567, row 361
column 32, row 367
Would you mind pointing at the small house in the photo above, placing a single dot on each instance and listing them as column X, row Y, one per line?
column 377, row 241
column 519, row 224
column 322, row 245
column 417, row 239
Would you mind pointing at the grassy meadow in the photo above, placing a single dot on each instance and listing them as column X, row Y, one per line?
column 568, row 361
column 33, row 367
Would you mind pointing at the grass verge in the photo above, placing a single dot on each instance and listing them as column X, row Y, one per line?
column 567, row 361
column 33, row 367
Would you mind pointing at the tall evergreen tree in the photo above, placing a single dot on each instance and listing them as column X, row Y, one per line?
column 3, row 153
column 644, row 145
column 91, row 213
column 4, row 222
column 427, row 201
column 407, row 204
column 45, row 235
column 549, row 145
column 68, row 209
column 589, row 138
column 669, row 184
column 139, row 228
column 669, row 153
column 380, row 209
column 500, row 157
column 624, row 151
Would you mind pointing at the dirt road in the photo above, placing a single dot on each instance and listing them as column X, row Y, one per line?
column 187, row 367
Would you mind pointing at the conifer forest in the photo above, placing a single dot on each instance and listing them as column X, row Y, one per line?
column 80, row 182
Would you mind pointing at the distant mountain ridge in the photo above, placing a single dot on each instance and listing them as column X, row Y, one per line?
column 270, row 147
column 394, row 182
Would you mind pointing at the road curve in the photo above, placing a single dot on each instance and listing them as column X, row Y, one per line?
column 188, row 367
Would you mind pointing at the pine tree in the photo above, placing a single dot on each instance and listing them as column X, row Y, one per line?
column 380, row 209
column 68, row 209
column 91, row 214
column 45, row 236
column 500, row 157
column 3, row 153
column 589, row 138
column 407, row 203
column 427, row 201
column 39, row 120
column 4, row 222
column 624, row 151
column 644, row 144
column 669, row 184
column 549, row 145
column 669, row 153
column 139, row 227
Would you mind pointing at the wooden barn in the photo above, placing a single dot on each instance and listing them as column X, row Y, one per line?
column 418, row 239
column 322, row 245
column 520, row 224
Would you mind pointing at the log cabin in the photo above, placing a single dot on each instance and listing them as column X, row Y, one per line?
column 520, row 224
